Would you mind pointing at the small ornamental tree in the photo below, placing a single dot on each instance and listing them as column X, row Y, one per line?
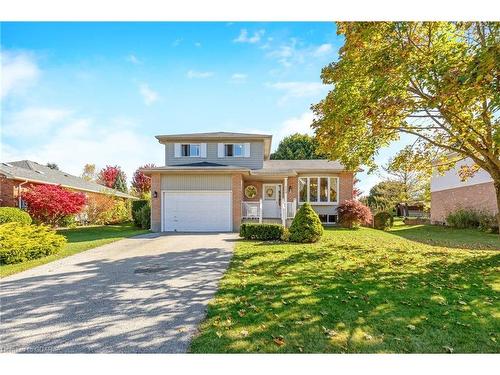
column 49, row 204
column 140, row 182
column 113, row 177
column 306, row 226
column 353, row 213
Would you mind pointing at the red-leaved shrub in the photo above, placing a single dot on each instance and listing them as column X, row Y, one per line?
column 49, row 204
column 353, row 213
column 141, row 182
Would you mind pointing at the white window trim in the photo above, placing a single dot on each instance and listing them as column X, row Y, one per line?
column 317, row 201
column 245, row 150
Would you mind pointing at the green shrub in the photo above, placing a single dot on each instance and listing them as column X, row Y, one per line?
column 68, row 221
column 463, row 218
column 262, row 232
column 144, row 216
column 13, row 214
column 22, row 242
column 136, row 206
column 306, row 226
column 487, row 222
column 118, row 213
column 383, row 220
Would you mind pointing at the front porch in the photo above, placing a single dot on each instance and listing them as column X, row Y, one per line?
column 269, row 200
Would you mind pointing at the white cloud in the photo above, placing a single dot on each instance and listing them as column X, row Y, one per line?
column 150, row 96
column 197, row 44
column 19, row 71
column 298, row 89
column 176, row 42
column 323, row 49
column 33, row 121
column 293, row 52
column 84, row 140
column 238, row 78
column 244, row 37
column 197, row 74
column 133, row 59
column 301, row 124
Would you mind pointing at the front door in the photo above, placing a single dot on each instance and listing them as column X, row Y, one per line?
column 271, row 200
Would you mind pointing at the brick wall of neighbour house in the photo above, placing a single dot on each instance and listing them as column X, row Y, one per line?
column 292, row 183
column 480, row 197
column 237, row 188
column 8, row 192
column 156, row 202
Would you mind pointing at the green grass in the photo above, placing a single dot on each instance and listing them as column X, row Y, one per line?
column 79, row 239
column 415, row 289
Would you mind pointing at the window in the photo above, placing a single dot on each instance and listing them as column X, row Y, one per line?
column 323, row 189
column 192, row 150
column 318, row 189
column 236, row 149
column 303, row 190
column 328, row 219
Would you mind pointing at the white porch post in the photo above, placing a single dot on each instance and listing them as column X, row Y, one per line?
column 260, row 211
column 285, row 203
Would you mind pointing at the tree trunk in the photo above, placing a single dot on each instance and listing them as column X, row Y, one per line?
column 496, row 183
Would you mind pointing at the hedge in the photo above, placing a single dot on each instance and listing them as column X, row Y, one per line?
column 383, row 220
column 144, row 217
column 22, row 242
column 306, row 225
column 136, row 206
column 263, row 232
column 12, row 214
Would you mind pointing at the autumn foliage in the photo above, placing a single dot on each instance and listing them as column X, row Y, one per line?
column 140, row 182
column 49, row 204
column 353, row 213
column 113, row 177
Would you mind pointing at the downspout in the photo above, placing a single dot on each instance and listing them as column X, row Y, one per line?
column 19, row 193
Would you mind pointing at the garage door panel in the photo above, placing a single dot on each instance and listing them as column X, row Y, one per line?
column 202, row 211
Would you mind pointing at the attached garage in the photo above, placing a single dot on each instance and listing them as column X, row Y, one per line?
column 194, row 203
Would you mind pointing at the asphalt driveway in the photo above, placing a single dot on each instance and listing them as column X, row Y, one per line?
column 145, row 294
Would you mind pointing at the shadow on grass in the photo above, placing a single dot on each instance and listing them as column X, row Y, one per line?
column 448, row 237
column 327, row 300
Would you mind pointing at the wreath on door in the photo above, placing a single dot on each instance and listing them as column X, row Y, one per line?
column 270, row 192
column 250, row 191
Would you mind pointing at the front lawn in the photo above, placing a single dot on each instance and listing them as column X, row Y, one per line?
column 79, row 239
column 412, row 290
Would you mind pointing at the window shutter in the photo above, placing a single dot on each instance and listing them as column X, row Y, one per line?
column 246, row 150
column 220, row 150
column 177, row 150
column 203, row 150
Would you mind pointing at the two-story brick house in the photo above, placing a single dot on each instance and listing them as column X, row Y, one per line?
column 214, row 181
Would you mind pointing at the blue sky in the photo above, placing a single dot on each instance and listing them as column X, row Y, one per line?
column 76, row 93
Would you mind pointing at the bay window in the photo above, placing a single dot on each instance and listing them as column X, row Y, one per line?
column 318, row 189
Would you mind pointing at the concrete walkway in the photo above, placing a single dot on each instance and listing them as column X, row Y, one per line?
column 145, row 294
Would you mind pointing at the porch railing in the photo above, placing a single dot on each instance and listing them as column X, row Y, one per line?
column 251, row 210
column 291, row 209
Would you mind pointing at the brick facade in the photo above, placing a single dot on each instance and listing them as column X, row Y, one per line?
column 237, row 188
column 346, row 182
column 8, row 192
column 480, row 197
column 156, row 202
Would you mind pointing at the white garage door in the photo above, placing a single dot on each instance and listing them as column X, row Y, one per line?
column 196, row 211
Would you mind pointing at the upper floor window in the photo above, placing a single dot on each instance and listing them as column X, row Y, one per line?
column 191, row 149
column 234, row 149
column 318, row 189
column 238, row 150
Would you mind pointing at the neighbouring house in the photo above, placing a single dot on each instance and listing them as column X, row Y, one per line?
column 449, row 193
column 17, row 176
column 411, row 209
column 216, row 181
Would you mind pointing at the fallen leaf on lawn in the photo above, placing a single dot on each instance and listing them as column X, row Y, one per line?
column 448, row 349
column 244, row 333
column 242, row 313
column 323, row 313
column 300, row 349
column 219, row 334
column 411, row 326
column 279, row 340
column 284, row 302
column 462, row 302
column 329, row 332
column 281, row 325
column 182, row 329
column 368, row 337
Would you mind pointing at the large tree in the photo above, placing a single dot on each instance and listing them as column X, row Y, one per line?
column 438, row 81
column 297, row 147
column 113, row 177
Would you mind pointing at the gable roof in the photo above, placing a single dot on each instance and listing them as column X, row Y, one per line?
column 34, row 172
